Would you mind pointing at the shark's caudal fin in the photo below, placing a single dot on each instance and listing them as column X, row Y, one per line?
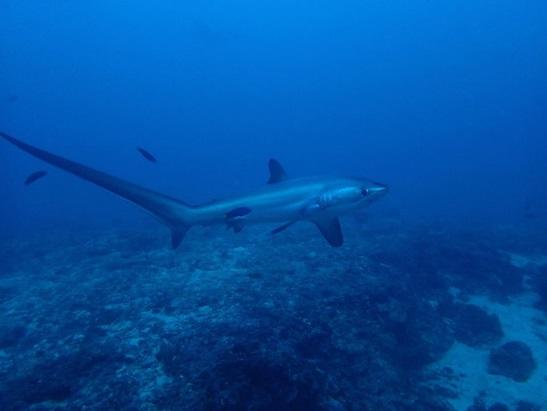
column 174, row 213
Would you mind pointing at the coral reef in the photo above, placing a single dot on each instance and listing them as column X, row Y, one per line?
column 117, row 320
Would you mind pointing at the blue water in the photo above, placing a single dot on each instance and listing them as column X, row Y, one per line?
column 443, row 101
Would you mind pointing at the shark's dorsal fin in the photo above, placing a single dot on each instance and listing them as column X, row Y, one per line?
column 331, row 230
column 277, row 173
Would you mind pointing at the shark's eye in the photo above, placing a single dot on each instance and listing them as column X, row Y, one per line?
column 364, row 192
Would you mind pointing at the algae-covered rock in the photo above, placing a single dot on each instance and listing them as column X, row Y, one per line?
column 513, row 360
column 475, row 327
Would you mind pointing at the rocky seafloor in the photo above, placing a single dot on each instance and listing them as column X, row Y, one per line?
column 426, row 317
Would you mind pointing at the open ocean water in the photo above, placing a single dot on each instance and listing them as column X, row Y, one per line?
column 432, row 297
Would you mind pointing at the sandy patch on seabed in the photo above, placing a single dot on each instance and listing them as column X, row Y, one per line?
column 520, row 321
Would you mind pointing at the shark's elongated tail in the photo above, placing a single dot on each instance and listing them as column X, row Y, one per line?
column 174, row 213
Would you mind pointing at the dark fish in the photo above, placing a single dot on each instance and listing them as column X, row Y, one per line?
column 235, row 218
column 146, row 154
column 237, row 213
column 35, row 176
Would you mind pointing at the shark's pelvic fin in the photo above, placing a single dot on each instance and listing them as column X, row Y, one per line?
column 174, row 213
column 331, row 230
column 283, row 227
column 177, row 235
column 277, row 173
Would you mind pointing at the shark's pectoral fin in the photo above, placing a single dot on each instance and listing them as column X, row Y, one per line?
column 331, row 230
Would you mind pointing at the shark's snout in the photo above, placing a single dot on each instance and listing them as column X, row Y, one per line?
column 376, row 190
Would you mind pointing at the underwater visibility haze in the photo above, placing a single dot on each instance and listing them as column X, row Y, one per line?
column 271, row 129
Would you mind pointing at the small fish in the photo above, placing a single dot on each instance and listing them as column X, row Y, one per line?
column 35, row 176
column 147, row 155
